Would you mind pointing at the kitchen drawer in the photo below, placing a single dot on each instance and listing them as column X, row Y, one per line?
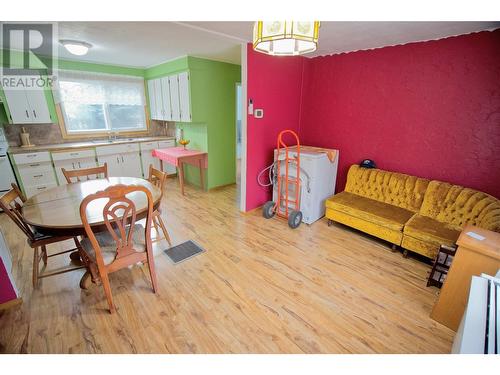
column 36, row 174
column 117, row 149
column 145, row 146
column 77, row 154
column 166, row 144
column 34, row 190
column 32, row 157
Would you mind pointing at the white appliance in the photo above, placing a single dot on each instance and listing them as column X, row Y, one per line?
column 479, row 330
column 6, row 173
column 318, row 175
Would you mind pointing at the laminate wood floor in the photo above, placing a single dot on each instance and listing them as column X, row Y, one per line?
column 260, row 287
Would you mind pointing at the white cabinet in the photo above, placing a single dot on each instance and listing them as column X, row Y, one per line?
column 71, row 160
column 35, row 171
column 123, row 160
column 184, row 97
column 28, row 106
column 147, row 157
column 169, row 98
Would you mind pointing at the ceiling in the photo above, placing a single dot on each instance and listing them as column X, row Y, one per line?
column 144, row 44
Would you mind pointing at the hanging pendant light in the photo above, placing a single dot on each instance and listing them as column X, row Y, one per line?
column 285, row 38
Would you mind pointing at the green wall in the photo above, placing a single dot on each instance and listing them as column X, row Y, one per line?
column 213, row 110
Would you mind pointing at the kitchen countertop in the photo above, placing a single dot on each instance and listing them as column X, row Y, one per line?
column 84, row 144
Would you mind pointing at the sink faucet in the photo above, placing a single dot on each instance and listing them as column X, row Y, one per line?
column 112, row 136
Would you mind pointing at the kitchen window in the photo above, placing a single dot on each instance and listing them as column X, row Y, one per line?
column 101, row 103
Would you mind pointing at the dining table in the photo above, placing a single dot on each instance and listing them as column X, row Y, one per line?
column 56, row 211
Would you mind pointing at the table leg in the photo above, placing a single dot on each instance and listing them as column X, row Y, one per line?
column 202, row 182
column 181, row 175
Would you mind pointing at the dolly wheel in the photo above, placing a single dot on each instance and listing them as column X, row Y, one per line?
column 294, row 219
column 268, row 210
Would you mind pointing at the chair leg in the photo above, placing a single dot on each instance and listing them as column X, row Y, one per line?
column 164, row 229
column 107, row 291
column 152, row 272
column 36, row 260
column 44, row 254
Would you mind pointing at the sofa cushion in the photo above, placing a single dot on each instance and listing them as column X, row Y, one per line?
column 459, row 206
column 376, row 212
column 427, row 229
column 397, row 189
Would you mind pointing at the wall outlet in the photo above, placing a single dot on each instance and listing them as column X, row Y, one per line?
column 258, row 113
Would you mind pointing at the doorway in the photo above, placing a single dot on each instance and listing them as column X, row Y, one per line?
column 239, row 110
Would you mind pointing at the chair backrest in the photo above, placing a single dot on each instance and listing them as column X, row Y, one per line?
column 11, row 202
column 157, row 178
column 119, row 216
column 87, row 172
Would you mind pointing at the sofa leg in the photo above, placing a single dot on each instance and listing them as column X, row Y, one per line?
column 394, row 248
column 330, row 222
column 405, row 253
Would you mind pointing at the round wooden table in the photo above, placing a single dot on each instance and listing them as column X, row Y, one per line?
column 56, row 211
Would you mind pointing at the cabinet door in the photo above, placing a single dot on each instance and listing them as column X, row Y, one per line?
column 165, row 95
column 114, row 164
column 18, row 106
column 174, row 98
column 152, row 99
column 147, row 158
column 184, row 98
column 131, row 164
column 167, row 168
column 39, row 111
column 159, row 101
column 69, row 165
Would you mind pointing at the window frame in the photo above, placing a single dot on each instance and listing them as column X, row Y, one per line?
column 84, row 134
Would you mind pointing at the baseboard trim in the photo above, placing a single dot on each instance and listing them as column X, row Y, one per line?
column 10, row 304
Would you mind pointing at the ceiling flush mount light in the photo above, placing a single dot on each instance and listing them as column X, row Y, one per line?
column 285, row 38
column 76, row 47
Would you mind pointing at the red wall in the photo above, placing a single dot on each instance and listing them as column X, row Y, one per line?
column 274, row 84
column 7, row 291
column 430, row 109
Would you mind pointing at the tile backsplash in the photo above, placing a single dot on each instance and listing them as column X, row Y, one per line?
column 44, row 134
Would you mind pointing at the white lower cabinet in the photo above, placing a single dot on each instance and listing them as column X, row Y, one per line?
column 147, row 157
column 35, row 171
column 123, row 160
column 71, row 160
column 168, row 168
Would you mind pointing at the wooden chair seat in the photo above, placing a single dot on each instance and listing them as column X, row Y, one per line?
column 108, row 244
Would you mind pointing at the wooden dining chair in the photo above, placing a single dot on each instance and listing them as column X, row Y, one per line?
column 11, row 203
column 158, row 179
column 87, row 172
column 124, row 242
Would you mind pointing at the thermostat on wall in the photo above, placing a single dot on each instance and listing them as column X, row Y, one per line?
column 258, row 113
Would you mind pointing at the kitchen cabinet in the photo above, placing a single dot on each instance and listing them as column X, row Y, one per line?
column 71, row 160
column 147, row 157
column 28, row 106
column 167, row 168
column 184, row 97
column 123, row 160
column 35, row 172
column 169, row 98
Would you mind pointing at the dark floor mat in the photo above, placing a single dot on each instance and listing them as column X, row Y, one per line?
column 183, row 251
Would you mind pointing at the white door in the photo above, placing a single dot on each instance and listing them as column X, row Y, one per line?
column 18, row 106
column 114, row 164
column 39, row 111
column 152, row 99
column 131, row 164
column 165, row 94
column 185, row 105
column 160, row 112
column 174, row 98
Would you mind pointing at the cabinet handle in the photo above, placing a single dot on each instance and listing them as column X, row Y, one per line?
column 73, row 164
column 117, row 160
column 34, row 113
column 79, row 165
column 122, row 160
column 38, row 175
column 74, row 154
column 27, row 114
column 41, row 188
column 34, row 165
column 31, row 155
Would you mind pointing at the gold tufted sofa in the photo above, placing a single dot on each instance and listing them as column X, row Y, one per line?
column 414, row 213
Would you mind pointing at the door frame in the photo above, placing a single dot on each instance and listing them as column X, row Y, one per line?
column 243, row 165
